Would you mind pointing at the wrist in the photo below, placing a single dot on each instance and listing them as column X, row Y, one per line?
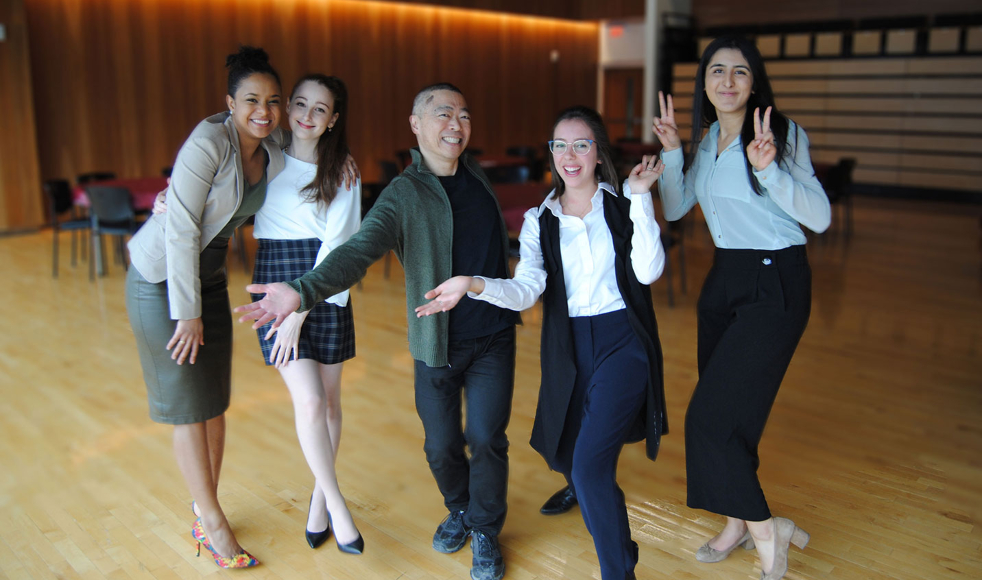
column 476, row 285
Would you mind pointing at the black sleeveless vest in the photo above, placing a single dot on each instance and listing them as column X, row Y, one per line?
column 556, row 349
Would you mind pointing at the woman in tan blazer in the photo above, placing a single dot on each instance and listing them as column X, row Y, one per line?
column 177, row 290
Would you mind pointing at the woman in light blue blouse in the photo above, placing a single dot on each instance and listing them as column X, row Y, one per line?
column 752, row 175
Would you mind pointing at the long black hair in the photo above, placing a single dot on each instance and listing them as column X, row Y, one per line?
column 248, row 61
column 332, row 146
column 704, row 113
column 605, row 170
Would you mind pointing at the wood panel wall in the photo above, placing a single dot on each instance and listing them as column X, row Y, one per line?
column 119, row 84
column 910, row 122
column 20, row 185
column 726, row 13
column 570, row 9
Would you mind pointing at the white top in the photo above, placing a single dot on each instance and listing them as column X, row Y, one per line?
column 286, row 215
column 737, row 217
column 587, row 251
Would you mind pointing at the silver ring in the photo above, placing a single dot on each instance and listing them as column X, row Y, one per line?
column 181, row 341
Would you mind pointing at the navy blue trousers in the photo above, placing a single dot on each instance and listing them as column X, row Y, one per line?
column 611, row 382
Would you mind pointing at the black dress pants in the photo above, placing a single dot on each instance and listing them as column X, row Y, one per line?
column 481, row 374
column 753, row 309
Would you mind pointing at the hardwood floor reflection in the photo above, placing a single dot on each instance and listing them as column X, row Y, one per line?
column 873, row 445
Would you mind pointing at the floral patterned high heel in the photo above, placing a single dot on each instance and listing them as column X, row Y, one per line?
column 243, row 560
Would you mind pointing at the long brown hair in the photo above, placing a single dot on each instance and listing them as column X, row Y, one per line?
column 605, row 170
column 704, row 113
column 332, row 147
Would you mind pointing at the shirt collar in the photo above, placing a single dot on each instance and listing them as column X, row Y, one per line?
column 552, row 202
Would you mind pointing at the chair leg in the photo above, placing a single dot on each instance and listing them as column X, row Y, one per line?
column 240, row 243
column 94, row 256
column 121, row 252
column 117, row 259
column 75, row 234
column 848, row 209
column 682, row 265
column 668, row 280
column 54, row 254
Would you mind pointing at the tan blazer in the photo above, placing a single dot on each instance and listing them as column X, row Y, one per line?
column 205, row 191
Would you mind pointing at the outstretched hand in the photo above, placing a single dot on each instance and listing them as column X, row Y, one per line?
column 645, row 174
column 664, row 127
column 279, row 302
column 762, row 150
column 445, row 296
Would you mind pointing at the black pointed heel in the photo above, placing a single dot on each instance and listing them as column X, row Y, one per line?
column 356, row 546
column 315, row 539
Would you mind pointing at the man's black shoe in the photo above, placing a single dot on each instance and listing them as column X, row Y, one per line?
column 451, row 534
column 561, row 502
column 487, row 563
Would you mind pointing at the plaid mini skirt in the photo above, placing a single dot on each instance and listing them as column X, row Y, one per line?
column 328, row 334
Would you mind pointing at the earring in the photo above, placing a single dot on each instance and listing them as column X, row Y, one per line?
column 329, row 129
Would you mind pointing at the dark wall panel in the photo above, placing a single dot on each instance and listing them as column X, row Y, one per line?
column 20, row 184
column 119, row 84
column 716, row 13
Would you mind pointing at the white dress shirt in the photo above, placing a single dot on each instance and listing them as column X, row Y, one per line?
column 587, row 251
column 737, row 217
column 286, row 215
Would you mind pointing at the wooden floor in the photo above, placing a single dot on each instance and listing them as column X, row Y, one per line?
column 874, row 445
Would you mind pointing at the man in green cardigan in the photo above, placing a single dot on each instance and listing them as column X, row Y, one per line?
column 441, row 218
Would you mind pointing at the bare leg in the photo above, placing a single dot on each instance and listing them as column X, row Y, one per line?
column 191, row 448
column 216, row 446
column 215, row 436
column 331, row 381
column 763, row 534
column 303, row 378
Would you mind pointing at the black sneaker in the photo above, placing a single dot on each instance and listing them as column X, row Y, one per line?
column 487, row 563
column 451, row 535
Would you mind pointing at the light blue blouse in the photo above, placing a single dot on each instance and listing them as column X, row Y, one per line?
column 737, row 217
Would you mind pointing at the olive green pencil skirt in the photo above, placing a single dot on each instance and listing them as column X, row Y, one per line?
column 188, row 393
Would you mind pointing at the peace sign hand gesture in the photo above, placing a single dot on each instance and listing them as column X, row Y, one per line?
column 762, row 150
column 664, row 127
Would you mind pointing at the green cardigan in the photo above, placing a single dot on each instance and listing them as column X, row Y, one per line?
column 413, row 217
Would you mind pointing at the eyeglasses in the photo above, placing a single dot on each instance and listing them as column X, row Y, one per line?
column 580, row 146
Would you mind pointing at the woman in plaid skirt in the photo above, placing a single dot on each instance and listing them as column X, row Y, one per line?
column 307, row 213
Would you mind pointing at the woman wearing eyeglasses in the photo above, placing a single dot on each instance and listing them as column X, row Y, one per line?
column 591, row 254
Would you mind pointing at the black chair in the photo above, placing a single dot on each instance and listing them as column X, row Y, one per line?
column 59, row 201
column 474, row 152
column 389, row 171
column 531, row 154
column 507, row 173
column 404, row 157
column 84, row 178
column 837, row 182
column 111, row 212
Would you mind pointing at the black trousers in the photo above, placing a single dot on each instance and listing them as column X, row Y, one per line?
column 482, row 373
column 609, row 392
column 753, row 309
